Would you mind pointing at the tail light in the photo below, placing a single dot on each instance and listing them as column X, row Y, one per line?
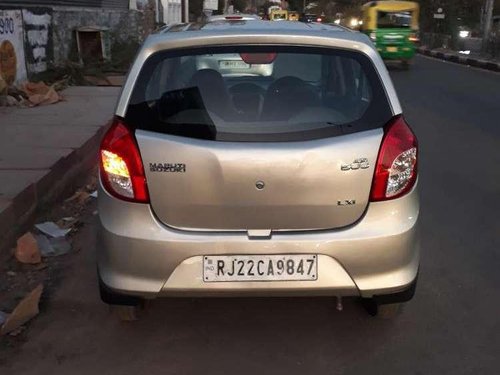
column 122, row 172
column 414, row 38
column 319, row 19
column 396, row 168
column 258, row 58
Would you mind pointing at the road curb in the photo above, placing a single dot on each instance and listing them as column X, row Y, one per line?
column 464, row 60
column 18, row 215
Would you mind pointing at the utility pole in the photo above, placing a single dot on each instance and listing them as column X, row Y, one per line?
column 186, row 11
column 487, row 24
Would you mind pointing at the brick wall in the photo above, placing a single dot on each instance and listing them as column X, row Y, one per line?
column 124, row 25
column 123, row 4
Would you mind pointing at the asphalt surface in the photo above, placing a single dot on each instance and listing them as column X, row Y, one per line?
column 451, row 326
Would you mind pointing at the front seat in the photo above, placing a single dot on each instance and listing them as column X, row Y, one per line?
column 214, row 93
column 286, row 97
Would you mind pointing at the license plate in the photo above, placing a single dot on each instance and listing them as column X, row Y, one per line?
column 260, row 268
column 392, row 49
column 233, row 64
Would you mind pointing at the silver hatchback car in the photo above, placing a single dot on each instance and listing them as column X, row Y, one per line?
column 289, row 170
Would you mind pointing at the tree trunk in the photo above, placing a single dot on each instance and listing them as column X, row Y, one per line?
column 487, row 25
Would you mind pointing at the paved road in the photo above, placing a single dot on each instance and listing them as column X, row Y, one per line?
column 451, row 327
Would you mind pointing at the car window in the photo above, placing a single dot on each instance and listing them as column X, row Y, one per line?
column 394, row 19
column 258, row 93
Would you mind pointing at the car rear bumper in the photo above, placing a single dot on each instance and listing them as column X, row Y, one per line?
column 140, row 256
column 404, row 53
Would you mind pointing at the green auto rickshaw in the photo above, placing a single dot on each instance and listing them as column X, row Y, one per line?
column 393, row 27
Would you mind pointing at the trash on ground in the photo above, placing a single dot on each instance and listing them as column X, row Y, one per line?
column 60, row 246
column 30, row 94
column 24, row 311
column 93, row 194
column 40, row 266
column 3, row 317
column 3, row 86
column 80, row 196
column 27, row 250
column 44, row 245
column 40, row 94
column 17, row 331
column 9, row 101
column 67, row 222
column 52, row 229
column 50, row 247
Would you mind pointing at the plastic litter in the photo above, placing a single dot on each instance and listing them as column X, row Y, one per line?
column 3, row 317
column 52, row 229
column 50, row 247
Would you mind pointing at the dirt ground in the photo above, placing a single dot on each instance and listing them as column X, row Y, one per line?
column 18, row 279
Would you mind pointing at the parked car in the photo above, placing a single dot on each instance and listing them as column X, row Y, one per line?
column 299, row 180
column 231, row 63
column 308, row 18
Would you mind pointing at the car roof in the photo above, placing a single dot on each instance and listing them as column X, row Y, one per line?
column 223, row 24
column 242, row 28
column 235, row 16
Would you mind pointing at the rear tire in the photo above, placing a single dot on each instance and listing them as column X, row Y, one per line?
column 405, row 64
column 388, row 311
column 110, row 297
column 389, row 306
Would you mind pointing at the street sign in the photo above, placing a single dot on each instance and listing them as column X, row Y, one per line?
column 210, row 4
column 439, row 16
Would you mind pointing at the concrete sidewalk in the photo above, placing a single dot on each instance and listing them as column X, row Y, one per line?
column 43, row 150
column 463, row 59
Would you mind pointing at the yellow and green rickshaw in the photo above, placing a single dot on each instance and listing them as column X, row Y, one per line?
column 279, row 15
column 393, row 27
column 293, row 16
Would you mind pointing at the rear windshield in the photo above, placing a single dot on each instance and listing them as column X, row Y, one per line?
column 279, row 16
column 394, row 20
column 258, row 94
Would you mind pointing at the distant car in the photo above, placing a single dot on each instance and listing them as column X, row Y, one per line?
column 308, row 18
column 298, row 180
column 232, row 63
